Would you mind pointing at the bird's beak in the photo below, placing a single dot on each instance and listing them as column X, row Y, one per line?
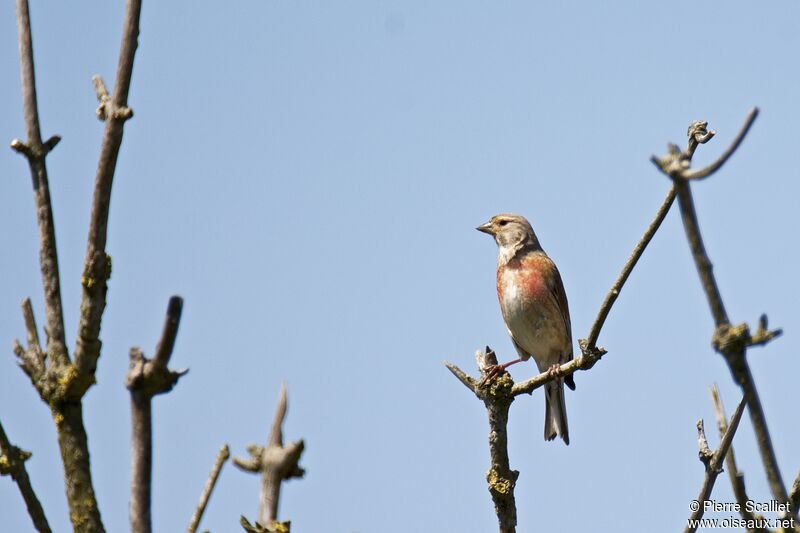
column 486, row 228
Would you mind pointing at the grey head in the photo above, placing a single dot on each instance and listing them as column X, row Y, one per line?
column 512, row 234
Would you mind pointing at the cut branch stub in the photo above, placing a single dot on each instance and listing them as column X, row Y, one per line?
column 106, row 108
column 275, row 462
column 12, row 459
column 730, row 339
column 151, row 376
column 705, row 454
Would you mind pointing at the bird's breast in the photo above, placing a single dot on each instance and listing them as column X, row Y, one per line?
column 525, row 304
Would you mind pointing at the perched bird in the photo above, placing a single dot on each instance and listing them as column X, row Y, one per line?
column 535, row 311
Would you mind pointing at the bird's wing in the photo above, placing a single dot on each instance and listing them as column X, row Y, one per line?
column 560, row 298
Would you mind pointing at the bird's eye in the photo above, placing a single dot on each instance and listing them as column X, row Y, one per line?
column 503, row 222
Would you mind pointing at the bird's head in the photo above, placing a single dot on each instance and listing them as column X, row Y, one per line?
column 510, row 231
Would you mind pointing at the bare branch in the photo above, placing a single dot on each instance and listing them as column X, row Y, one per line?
column 714, row 464
column 713, row 167
column 222, row 456
column 741, row 372
column 794, row 496
column 141, row 458
column 252, row 463
column 730, row 341
column 97, row 265
column 150, row 377
column 467, row 380
column 167, row 342
column 30, row 325
column 145, row 379
column 276, row 432
column 12, row 462
column 585, row 361
column 35, row 151
column 32, row 360
column 737, row 478
column 276, row 463
column 638, row 250
column 497, row 396
column 703, row 263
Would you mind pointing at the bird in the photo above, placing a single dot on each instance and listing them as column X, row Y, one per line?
column 535, row 310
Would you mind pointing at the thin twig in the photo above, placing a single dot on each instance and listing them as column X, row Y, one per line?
column 146, row 378
column 585, row 361
column 12, row 462
column 36, row 151
column 170, row 331
column 713, row 167
column 222, row 456
column 462, row 376
column 736, row 477
column 713, row 467
column 97, row 265
column 32, row 360
column 638, row 250
column 30, row 325
column 275, row 462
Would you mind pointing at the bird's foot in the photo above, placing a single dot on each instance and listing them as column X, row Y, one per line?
column 554, row 371
column 492, row 372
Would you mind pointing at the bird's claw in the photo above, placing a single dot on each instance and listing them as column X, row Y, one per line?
column 492, row 372
column 554, row 371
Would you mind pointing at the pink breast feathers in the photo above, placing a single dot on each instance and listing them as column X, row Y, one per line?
column 521, row 279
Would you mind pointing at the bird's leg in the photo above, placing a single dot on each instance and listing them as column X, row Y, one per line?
column 493, row 371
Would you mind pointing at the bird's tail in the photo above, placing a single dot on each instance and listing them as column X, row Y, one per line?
column 555, row 412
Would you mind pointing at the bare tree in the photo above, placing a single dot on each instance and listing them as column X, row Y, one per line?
column 61, row 380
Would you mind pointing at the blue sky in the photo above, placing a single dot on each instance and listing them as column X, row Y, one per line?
column 308, row 176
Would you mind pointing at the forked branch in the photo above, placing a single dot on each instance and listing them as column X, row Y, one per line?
column 736, row 477
column 276, row 463
column 712, row 462
column 146, row 378
column 730, row 341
